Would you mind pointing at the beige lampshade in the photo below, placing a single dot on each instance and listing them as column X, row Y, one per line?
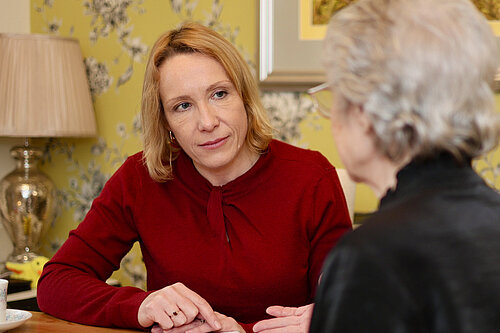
column 44, row 90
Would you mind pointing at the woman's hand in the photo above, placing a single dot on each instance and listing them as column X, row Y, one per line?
column 201, row 326
column 174, row 306
column 288, row 320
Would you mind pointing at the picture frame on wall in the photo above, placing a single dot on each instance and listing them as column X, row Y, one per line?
column 287, row 61
column 495, row 25
column 497, row 76
column 290, row 46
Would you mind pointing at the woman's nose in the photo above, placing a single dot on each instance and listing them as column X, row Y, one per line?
column 208, row 118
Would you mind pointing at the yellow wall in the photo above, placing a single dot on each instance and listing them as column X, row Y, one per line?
column 80, row 167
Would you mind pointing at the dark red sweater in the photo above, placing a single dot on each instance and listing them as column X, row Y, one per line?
column 257, row 241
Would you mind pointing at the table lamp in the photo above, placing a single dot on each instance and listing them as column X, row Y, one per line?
column 44, row 92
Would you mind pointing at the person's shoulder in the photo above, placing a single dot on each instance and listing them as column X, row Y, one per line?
column 373, row 241
column 299, row 156
column 395, row 229
column 134, row 160
column 133, row 164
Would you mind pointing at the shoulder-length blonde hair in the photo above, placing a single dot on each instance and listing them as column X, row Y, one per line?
column 159, row 151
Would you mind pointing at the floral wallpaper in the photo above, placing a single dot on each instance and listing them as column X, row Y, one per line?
column 115, row 36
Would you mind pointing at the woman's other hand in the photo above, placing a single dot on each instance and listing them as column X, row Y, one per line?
column 201, row 326
column 287, row 320
column 175, row 306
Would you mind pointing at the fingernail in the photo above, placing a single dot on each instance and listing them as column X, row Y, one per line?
column 217, row 325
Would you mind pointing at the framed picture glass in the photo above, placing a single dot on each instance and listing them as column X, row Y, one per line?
column 290, row 36
column 496, row 28
column 285, row 60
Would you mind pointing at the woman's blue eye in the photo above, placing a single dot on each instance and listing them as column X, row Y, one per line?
column 220, row 94
column 182, row 107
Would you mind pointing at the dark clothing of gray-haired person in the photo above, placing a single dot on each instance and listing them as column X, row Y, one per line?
column 427, row 261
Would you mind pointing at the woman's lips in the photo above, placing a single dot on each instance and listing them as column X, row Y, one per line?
column 214, row 143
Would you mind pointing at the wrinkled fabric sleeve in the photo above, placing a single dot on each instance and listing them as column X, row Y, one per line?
column 326, row 221
column 330, row 221
column 72, row 285
column 358, row 293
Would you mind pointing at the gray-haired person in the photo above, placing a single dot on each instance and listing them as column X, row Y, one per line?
column 412, row 106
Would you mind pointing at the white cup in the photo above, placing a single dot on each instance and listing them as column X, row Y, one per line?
column 3, row 299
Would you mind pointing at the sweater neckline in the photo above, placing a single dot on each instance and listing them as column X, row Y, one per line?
column 185, row 171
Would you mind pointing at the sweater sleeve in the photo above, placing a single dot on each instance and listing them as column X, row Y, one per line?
column 330, row 221
column 72, row 285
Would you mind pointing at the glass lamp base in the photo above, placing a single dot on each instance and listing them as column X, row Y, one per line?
column 21, row 258
column 27, row 204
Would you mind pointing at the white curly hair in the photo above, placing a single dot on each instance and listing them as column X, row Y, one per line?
column 422, row 70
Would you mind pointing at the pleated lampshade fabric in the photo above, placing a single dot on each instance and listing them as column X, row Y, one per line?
column 44, row 90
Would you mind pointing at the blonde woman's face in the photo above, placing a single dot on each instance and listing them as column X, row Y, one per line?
column 206, row 114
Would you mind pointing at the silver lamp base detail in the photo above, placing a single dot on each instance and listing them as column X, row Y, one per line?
column 27, row 203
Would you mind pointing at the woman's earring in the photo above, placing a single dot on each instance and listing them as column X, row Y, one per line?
column 171, row 136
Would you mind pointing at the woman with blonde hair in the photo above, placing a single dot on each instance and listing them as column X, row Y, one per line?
column 229, row 220
column 411, row 82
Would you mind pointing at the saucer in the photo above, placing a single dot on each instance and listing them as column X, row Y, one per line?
column 15, row 318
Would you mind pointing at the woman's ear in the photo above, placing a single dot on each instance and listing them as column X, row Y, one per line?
column 360, row 116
